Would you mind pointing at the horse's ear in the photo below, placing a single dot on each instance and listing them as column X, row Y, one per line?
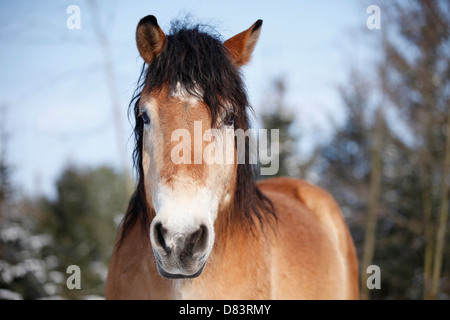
column 150, row 38
column 241, row 45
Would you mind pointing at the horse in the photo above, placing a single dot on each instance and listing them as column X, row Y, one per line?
column 204, row 230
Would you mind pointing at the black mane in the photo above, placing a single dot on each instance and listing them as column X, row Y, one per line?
column 197, row 59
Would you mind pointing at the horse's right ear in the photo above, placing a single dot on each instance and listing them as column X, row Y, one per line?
column 150, row 38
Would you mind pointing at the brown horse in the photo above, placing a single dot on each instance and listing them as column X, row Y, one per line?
column 198, row 229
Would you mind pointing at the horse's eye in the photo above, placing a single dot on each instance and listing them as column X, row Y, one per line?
column 229, row 119
column 145, row 118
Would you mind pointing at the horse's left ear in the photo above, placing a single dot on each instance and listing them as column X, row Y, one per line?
column 241, row 45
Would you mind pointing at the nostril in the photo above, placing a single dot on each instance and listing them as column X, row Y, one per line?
column 199, row 240
column 160, row 233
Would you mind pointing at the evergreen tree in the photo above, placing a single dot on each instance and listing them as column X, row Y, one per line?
column 417, row 83
column 366, row 168
column 83, row 222
column 277, row 115
column 410, row 209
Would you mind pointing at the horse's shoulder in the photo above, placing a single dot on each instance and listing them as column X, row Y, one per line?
column 312, row 196
column 312, row 221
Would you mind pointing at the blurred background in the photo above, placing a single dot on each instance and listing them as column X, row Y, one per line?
column 361, row 101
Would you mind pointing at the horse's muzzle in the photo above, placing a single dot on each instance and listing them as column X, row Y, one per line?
column 180, row 254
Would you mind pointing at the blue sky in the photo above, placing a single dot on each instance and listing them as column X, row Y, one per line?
column 53, row 86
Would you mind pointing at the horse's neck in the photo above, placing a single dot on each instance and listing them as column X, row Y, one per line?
column 234, row 269
column 238, row 268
